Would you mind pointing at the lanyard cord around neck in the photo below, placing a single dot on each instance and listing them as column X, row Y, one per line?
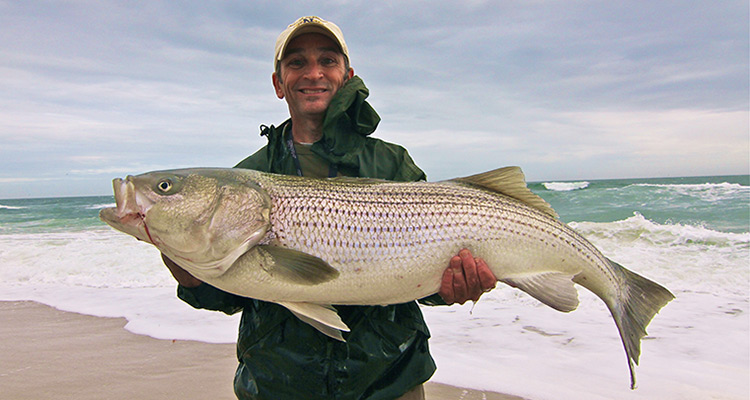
column 332, row 168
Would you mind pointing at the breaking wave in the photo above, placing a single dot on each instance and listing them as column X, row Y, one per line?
column 667, row 235
column 4, row 207
column 565, row 186
column 100, row 206
column 706, row 191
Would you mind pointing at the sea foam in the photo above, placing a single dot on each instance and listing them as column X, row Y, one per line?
column 4, row 207
column 565, row 186
column 710, row 192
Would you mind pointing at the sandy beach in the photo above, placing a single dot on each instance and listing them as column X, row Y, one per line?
column 52, row 354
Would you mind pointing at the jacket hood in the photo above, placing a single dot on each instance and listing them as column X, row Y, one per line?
column 349, row 110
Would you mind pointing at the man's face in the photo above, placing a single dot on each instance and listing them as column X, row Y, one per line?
column 312, row 71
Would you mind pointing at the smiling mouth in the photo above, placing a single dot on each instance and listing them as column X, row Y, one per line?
column 313, row 91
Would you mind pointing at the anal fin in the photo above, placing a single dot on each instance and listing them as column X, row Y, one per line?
column 554, row 289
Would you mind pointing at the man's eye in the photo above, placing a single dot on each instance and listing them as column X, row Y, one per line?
column 295, row 63
column 328, row 61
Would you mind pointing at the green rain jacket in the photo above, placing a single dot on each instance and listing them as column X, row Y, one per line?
column 280, row 357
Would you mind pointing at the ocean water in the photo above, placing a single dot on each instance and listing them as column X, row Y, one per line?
column 690, row 234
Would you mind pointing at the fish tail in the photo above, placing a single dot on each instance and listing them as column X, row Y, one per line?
column 641, row 301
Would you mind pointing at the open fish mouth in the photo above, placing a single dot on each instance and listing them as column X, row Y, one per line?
column 130, row 210
column 127, row 210
column 130, row 203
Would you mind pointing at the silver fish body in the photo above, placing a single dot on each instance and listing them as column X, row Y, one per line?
column 311, row 243
column 390, row 242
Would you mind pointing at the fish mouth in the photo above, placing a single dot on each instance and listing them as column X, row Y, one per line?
column 127, row 200
column 129, row 214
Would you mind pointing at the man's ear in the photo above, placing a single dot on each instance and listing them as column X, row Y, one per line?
column 277, row 86
column 349, row 74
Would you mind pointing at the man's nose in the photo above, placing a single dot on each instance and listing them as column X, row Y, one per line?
column 314, row 71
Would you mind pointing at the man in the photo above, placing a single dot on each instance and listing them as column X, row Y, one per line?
column 385, row 355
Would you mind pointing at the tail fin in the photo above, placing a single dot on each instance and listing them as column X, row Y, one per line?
column 642, row 299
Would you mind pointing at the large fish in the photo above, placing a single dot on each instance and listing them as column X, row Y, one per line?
column 310, row 243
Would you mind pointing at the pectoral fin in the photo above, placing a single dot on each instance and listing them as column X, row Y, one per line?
column 322, row 317
column 554, row 289
column 296, row 266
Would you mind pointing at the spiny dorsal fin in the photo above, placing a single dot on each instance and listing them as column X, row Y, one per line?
column 511, row 182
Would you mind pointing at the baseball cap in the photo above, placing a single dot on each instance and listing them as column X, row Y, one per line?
column 311, row 24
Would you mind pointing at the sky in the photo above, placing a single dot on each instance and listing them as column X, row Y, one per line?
column 567, row 90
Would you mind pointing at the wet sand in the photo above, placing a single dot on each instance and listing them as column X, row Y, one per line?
column 51, row 354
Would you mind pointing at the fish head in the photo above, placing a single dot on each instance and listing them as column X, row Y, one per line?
column 202, row 219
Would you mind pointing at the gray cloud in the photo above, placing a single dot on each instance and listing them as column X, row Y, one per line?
column 567, row 90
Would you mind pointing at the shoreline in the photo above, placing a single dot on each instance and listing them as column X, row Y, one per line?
column 53, row 354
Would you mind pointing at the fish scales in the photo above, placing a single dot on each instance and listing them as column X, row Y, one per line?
column 308, row 243
column 373, row 232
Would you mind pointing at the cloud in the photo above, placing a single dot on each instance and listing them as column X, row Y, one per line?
column 24, row 180
column 567, row 90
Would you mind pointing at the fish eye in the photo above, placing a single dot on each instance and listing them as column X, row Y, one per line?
column 164, row 185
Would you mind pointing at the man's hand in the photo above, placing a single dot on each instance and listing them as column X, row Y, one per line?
column 466, row 278
column 183, row 277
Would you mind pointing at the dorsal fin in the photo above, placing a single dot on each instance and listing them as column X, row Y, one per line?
column 511, row 182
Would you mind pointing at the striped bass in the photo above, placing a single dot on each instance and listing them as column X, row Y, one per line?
column 308, row 244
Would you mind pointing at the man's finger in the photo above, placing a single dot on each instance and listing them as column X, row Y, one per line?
column 459, row 281
column 473, row 288
column 446, row 287
column 487, row 279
